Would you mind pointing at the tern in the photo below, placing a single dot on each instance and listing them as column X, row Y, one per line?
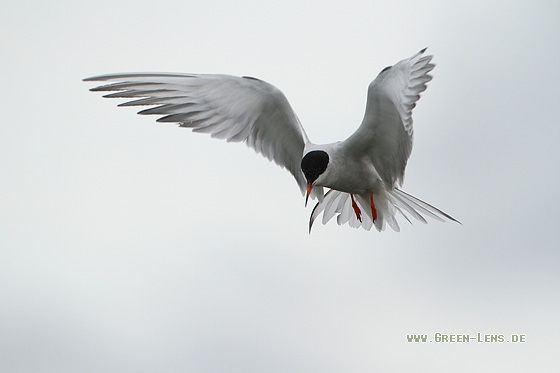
column 363, row 172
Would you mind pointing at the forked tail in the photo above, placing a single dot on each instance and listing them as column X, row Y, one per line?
column 387, row 204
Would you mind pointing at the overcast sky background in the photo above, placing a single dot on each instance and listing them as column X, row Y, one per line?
column 130, row 246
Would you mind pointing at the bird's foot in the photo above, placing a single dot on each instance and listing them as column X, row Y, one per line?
column 373, row 209
column 356, row 208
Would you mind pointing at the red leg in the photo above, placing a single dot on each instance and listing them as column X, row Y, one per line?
column 356, row 208
column 373, row 209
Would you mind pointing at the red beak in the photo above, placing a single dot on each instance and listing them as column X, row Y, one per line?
column 309, row 189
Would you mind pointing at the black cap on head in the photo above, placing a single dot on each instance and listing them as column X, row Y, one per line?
column 314, row 164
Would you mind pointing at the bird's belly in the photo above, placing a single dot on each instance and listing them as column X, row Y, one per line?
column 361, row 181
column 356, row 188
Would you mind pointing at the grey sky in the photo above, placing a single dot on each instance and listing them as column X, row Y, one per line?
column 127, row 245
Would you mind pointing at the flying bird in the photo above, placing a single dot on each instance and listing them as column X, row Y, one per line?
column 363, row 172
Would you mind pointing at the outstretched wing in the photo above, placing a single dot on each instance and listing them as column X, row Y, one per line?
column 386, row 130
column 227, row 107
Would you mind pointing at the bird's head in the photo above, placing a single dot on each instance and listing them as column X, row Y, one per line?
column 313, row 165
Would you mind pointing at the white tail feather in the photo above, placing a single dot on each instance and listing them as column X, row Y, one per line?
column 387, row 204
